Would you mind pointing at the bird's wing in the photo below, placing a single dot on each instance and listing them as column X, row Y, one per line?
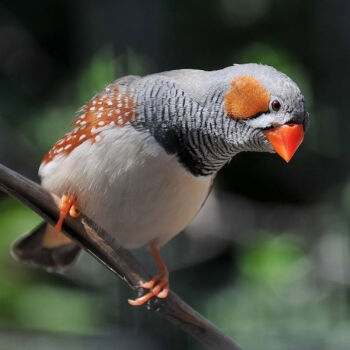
column 112, row 107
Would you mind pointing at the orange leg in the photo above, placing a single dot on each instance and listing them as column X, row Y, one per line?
column 67, row 205
column 158, row 285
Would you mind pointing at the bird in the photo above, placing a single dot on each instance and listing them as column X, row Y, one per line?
column 141, row 156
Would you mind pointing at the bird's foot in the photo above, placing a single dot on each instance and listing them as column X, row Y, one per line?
column 158, row 287
column 68, row 205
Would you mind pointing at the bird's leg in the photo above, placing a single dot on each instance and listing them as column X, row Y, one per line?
column 158, row 285
column 67, row 205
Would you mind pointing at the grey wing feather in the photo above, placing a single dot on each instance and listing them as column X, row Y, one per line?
column 127, row 80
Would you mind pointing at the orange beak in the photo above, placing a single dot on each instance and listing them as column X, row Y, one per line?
column 285, row 139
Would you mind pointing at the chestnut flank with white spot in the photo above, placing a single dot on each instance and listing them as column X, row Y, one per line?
column 92, row 121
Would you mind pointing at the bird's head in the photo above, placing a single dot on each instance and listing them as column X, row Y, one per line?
column 208, row 117
column 267, row 108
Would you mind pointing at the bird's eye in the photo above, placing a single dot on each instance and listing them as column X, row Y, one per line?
column 276, row 105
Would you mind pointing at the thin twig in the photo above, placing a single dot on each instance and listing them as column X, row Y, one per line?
column 103, row 247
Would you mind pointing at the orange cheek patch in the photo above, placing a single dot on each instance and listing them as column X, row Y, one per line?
column 109, row 109
column 246, row 98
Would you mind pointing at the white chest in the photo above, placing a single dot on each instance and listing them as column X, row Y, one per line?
column 129, row 185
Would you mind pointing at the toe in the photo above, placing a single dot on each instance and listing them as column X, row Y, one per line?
column 74, row 212
column 148, row 285
column 163, row 293
column 142, row 300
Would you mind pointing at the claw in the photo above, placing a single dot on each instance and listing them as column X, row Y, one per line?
column 67, row 205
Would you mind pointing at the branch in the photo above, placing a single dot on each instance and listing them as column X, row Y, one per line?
column 104, row 248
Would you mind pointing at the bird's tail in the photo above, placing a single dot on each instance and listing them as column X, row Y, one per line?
column 45, row 248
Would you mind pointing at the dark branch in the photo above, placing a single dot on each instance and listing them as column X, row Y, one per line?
column 103, row 247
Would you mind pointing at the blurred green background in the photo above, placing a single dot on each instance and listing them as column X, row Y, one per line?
column 268, row 259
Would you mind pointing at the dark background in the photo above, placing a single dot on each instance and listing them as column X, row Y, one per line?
column 267, row 260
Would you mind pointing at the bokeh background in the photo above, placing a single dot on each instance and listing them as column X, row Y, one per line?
column 267, row 260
